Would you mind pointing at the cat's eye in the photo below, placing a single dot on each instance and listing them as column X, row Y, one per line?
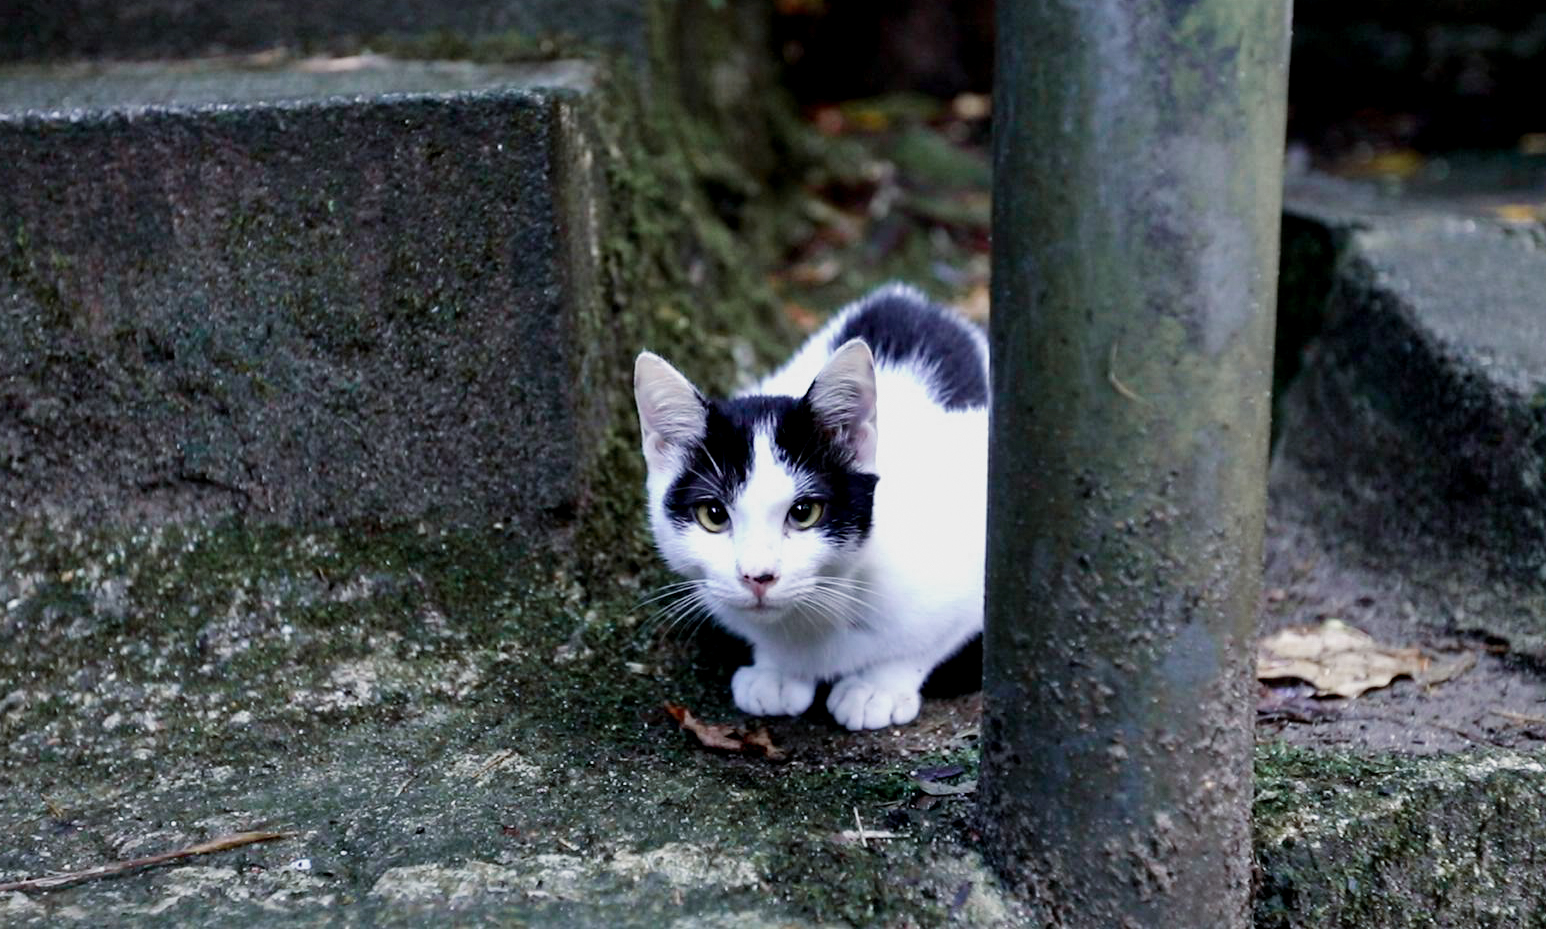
column 712, row 516
column 805, row 513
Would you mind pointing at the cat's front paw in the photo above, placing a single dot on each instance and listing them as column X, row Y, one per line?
column 762, row 692
column 861, row 704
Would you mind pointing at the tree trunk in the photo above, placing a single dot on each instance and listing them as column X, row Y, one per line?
column 1137, row 191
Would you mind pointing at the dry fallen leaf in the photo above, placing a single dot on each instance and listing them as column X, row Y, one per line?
column 724, row 737
column 815, row 273
column 1287, row 700
column 803, row 318
column 1400, row 163
column 971, row 106
column 758, row 740
column 975, row 304
column 1519, row 213
column 935, row 789
column 1339, row 660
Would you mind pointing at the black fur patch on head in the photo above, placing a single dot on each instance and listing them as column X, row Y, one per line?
column 848, row 496
column 901, row 327
column 717, row 466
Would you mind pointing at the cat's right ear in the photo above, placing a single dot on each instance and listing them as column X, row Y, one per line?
column 672, row 414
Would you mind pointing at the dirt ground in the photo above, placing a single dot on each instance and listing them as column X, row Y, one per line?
column 1498, row 701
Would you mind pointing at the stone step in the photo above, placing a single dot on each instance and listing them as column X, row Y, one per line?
column 1414, row 434
column 1407, row 499
column 85, row 28
column 308, row 291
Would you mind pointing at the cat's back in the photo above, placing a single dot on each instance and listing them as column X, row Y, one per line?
column 911, row 338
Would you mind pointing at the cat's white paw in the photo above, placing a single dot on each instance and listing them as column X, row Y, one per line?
column 762, row 692
column 861, row 704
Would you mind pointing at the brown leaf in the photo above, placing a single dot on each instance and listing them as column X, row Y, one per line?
column 936, row 789
column 803, row 318
column 974, row 305
column 800, row 7
column 724, row 737
column 829, row 121
column 759, row 740
column 1438, row 672
column 939, row 773
column 815, row 273
column 1339, row 660
column 971, row 106
column 1518, row 213
column 1292, row 701
column 1399, row 162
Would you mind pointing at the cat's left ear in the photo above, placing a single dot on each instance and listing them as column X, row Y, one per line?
column 843, row 399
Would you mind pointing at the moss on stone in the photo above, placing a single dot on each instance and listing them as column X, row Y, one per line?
column 441, row 718
column 1351, row 839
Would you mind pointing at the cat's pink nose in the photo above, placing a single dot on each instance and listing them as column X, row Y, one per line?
column 759, row 585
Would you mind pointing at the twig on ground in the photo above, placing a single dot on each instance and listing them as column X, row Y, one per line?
column 496, row 761
column 1525, row 718
column 224, row 843
column 863, row 835
column 1117, row 385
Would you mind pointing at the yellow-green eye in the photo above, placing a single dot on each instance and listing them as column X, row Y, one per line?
column 712, row 516
column 805, row 513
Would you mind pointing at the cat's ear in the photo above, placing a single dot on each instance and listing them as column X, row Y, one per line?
column 843, row 399
column 672, row 413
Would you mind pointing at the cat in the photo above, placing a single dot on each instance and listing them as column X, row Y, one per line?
column 833, row 515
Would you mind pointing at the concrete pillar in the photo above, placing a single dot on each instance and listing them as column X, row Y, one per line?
column 1137, row 190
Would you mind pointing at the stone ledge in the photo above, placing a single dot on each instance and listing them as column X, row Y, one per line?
column 154, row 28
column 327, row 308
column 1388, row 841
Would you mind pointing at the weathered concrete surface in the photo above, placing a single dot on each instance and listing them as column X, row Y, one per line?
column 244, row 81
column 299, row 303
column 153, row 28
column 447, row 726
column 1413, row 438
column 444, row 725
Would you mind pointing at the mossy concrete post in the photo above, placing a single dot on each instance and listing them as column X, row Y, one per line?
column 1138, row 183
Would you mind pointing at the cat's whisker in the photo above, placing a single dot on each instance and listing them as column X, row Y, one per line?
column 667, row 591
column 690, row 604
column 838, row 606
column 687, row 601
column 844, row 583
column 850, row 591
column 670, row 614
column 833, row 596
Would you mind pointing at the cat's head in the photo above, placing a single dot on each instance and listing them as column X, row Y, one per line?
column 762, row 500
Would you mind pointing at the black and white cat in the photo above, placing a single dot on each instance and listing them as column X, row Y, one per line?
column 833, row 515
